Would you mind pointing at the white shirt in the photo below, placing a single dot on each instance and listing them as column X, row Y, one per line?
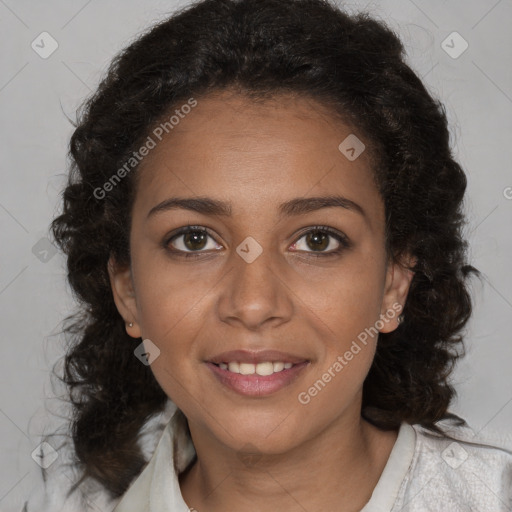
column 424, row 473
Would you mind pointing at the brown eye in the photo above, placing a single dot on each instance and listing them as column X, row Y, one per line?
column 322, row 240
column 195, row 240
column 317, row 240
column 191, row 239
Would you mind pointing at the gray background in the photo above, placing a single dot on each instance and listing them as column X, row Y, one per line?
column 37, row 94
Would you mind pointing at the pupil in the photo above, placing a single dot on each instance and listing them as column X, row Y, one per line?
column 194, row 238
column 321, row 240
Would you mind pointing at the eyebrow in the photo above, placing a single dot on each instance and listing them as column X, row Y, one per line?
column 297, row 206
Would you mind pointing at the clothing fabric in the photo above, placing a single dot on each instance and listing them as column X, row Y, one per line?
column 425, row 472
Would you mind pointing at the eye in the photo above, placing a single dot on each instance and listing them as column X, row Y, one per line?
column 320, row 239
column 192, row 241
column 189, row 240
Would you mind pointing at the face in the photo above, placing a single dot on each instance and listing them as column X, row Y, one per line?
column 265, row 270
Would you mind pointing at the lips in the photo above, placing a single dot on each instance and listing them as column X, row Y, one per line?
column 256, row 374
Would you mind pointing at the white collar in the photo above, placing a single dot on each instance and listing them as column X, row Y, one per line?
column 386, row 491
column 157, row 488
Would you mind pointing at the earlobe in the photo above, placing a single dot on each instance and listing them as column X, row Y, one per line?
column 123, row 291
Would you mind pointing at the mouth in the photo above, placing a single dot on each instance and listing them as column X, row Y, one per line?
column 256, row 374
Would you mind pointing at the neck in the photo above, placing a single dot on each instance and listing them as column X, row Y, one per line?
column 345, row 461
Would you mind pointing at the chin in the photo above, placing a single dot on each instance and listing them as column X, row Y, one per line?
column 253, row 434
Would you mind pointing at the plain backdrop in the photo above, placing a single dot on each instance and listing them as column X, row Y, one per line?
column 38, row 94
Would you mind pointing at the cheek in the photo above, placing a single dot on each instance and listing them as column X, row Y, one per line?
column 167, row 293
column 343, row 313
column 346, row 297
column 171, row 309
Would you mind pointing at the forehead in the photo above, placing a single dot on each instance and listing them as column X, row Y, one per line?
column 254, row 154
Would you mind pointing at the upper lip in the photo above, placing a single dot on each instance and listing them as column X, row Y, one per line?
column 255, row 357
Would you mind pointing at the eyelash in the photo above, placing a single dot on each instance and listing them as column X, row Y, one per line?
column 342, row 239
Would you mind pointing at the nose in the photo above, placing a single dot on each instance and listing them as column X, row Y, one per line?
column 254, row 293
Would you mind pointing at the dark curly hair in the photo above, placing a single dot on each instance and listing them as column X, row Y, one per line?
column 354, row 65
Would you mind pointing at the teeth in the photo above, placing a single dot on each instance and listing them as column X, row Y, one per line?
column 234, row 367
column 263, row 369
column 278, row 366
column 247, row 368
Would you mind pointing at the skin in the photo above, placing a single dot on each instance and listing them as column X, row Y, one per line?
column 257, row 156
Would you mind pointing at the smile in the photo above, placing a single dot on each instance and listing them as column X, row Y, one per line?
column 256, row 380
column 264, row 368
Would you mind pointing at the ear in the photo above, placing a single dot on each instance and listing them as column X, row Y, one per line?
column 398, row 281
column 121, row 282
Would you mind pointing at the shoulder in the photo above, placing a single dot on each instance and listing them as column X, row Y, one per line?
column 458, row 470
column 52, row 483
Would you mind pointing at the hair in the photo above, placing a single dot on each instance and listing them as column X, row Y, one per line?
column 354, row 66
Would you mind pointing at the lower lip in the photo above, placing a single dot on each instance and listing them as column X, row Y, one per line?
column 257, row 385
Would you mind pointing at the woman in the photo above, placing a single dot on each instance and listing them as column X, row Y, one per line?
column 263, row 223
